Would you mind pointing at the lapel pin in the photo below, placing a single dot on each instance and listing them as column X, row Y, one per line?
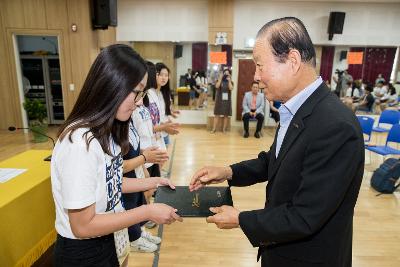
column 295, row 125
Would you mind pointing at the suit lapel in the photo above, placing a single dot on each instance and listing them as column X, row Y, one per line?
column 295, row 128
column 272, row 158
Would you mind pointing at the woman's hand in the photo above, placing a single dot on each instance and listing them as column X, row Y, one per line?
column 171, row 127
column 165, row 182
column 162, row 214
column 175, row 113
column 155, row 155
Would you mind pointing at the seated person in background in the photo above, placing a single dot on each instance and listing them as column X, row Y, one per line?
column 366, row 102
column 274, row 110
column 352, row 93
column 380, row 79
column 388, row 100
column 253, row 107
column 379, row 90
column 201, row 84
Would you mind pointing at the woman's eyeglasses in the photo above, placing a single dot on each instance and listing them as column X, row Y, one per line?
column 139, row 95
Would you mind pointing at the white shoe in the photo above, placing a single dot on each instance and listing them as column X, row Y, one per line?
column 149, row 237
column 143, row 245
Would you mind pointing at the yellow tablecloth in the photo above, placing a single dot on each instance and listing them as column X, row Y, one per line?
column 27, row 210
column 182, row 89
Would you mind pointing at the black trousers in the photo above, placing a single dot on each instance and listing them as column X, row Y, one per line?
column 154, row 170
column 99, row 251
column 131, row 201
column 246, row 119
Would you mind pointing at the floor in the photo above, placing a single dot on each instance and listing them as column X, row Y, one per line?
column 195, row 243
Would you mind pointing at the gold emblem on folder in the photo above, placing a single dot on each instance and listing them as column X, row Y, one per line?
column 196, row 201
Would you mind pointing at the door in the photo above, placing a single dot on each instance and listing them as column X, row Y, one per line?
column 33, row 79
column 246, row 72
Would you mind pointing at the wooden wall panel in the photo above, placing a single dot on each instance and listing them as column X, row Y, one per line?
column 56, row 14
column 12, row 12
column 81, row 43
column 57, row 19
column 34, row 14
column 7, row 105
column 220, row 19
column 220, row 13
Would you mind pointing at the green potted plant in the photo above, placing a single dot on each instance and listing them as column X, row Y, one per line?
column 37, row 116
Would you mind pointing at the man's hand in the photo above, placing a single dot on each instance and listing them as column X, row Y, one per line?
column 226, row 217
column 209, row 175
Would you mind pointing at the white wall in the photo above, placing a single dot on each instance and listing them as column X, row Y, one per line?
column 158, row 20
column 365, row 23
column 184, row 62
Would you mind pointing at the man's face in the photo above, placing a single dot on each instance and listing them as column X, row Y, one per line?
column 274, row 76
column 254, row 88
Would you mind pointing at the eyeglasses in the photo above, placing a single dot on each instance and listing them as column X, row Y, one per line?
column 139, row 95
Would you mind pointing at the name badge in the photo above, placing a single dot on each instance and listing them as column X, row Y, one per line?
column 225, row 96
column 121, row 239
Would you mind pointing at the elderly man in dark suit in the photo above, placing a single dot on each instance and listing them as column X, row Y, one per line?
column 314, row 167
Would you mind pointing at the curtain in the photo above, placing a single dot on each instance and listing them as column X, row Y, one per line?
column 356, row 70
column 199, row 56
column 376, row 60
column 328, row 53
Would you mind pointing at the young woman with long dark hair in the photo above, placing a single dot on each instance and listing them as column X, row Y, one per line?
column 87, row 166
column 164, row 95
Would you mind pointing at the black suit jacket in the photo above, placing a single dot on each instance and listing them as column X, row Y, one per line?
column 312, row 187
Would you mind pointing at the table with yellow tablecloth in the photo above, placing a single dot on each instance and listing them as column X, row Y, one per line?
column 27, row 212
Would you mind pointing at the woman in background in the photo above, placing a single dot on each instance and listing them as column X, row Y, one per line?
column 223, row 99
column 164, row 96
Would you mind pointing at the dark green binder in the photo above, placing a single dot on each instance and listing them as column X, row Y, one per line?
column 196, row 203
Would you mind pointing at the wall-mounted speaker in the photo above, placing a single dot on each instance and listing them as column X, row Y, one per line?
column 343, row 55
column 104, row 13
column 336, row 22
column 178, row 51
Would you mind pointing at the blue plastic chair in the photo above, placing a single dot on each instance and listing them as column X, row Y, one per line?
column 388, row 117
column 366, row 125
column 393, row 136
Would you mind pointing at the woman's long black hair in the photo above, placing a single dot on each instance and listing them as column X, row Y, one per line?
column 117, row 70
column 151, row 81
column 165, row 90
